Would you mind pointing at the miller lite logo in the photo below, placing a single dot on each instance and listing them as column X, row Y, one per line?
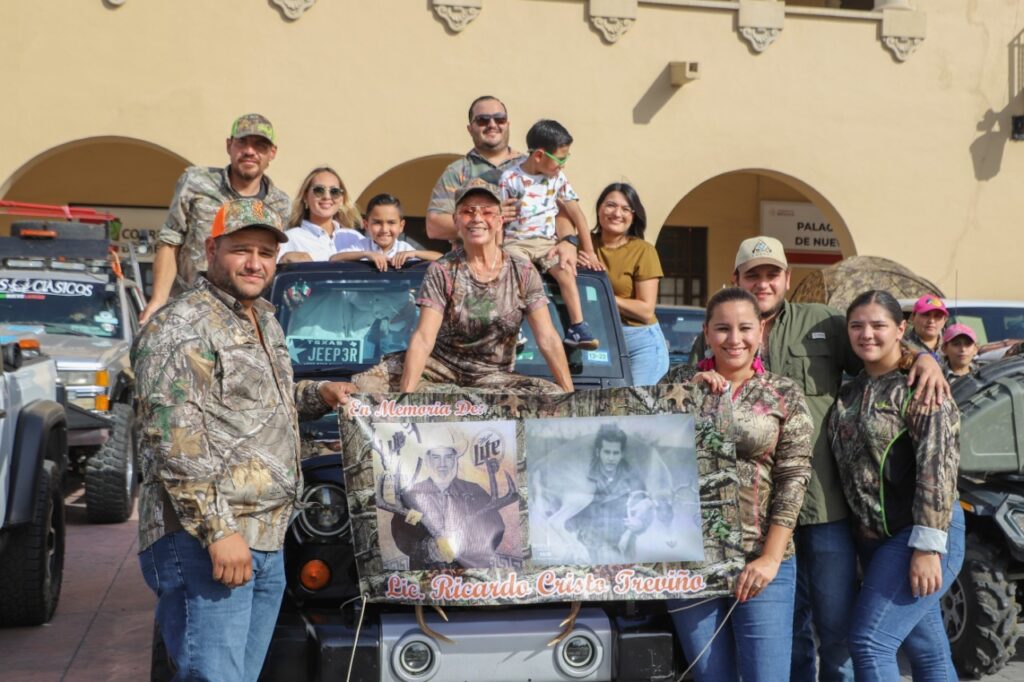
column 488, row 446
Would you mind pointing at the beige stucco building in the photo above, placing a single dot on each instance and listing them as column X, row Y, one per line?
column 890, row 117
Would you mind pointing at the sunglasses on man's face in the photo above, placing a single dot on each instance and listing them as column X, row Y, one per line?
column 483, row 120
column 319, row 191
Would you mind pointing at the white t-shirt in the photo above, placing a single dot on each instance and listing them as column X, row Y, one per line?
column 367, row 244
column 538, row 197
column 311, row 238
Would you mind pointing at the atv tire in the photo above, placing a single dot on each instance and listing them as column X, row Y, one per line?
column 32, row 565
column 980, row 612
column 111, row 482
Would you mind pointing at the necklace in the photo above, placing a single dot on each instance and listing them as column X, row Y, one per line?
column 490, row 270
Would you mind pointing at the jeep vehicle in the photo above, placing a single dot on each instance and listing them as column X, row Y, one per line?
column 339, row 318
column 982, row 607
column 33, row 453
column 62, row 283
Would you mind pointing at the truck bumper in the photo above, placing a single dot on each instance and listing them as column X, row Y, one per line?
column 496, row 643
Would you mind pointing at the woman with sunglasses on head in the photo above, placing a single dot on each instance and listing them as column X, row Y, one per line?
column 322, row 220
column 751, row 637
column 635, row 270
column 897, row 462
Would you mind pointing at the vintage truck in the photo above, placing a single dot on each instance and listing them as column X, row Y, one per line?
column 61, row 282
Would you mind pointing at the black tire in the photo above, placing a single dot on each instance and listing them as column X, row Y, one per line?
column 111, row 481
column 980, row 612
column 32, row 565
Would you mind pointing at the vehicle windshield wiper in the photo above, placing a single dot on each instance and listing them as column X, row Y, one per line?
column 329, row 371
column 65, row 329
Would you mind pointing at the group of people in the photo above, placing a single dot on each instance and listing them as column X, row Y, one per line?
column 831, row 474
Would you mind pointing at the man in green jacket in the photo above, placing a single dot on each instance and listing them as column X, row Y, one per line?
column 808, row 343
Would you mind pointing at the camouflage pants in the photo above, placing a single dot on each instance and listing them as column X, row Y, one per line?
column 437, row 377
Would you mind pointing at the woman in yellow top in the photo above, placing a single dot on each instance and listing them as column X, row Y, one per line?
column 634, row 269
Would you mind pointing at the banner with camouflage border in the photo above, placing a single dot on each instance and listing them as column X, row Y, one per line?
column 471, row 498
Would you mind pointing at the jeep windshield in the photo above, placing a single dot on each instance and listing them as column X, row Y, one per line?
column 341, row 321
column 60, row 304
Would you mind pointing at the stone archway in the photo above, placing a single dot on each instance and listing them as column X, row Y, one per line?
column 699, row 238
column 132, row 178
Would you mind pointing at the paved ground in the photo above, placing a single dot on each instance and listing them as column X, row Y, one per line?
column 103, row 625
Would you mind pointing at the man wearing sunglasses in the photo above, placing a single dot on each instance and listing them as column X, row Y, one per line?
column 200, row 193
column 489, row 157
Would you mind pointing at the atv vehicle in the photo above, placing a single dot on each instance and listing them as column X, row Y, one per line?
column 982, row 607
column 339, row 318
column 33, row 454
column 62, row 283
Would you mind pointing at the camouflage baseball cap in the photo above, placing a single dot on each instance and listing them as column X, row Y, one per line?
column 477, row 186
column 242, row 213
column 253, row 124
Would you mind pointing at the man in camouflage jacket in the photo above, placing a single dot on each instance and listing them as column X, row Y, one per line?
column 200, row 192
column 219, row 452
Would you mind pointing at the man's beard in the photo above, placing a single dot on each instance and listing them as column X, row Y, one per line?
column 773, row 312
column 225, row 284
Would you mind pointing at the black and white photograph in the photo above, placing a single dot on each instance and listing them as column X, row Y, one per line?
column 446, row 495
column 613, row 490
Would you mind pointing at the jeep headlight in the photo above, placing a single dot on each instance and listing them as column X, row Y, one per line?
column 324, row 511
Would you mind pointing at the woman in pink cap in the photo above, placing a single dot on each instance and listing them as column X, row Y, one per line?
column 928, row 321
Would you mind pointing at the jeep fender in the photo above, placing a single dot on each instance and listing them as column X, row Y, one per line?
column 39, row 423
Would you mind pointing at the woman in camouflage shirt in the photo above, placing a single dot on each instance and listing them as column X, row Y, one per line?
column 898, row 465
column 772, row 429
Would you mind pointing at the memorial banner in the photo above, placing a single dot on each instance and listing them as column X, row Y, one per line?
column 478, row 498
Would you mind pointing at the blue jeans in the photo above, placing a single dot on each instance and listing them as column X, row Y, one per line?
column 887, row 615
column 648, row 353
column 755, row 642
column 826, row 589
column 212, row 632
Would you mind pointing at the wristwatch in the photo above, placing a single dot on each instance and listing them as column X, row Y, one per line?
column 572, row 239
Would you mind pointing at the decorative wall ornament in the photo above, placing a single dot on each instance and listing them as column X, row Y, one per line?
column 457, row 14
column 759, row 37
column 292, row 9
column 902, row 46
column 612, row 17
column 612, row 28
column 115, row 3
column 903, row 30
column 760, row 22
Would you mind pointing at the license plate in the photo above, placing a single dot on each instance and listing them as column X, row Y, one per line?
column 325, row 351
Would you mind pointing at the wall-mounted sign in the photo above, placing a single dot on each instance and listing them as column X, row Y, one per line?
column 805, row 233
column 139, row 227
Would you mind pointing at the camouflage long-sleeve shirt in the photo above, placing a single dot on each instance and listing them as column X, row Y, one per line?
column 772, row 428
column 870, row 414
column 773, row 432
column 218, row 417
column 199, row 194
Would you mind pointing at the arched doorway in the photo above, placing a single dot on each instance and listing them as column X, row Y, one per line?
column 412, row 183
column 698, row 241
column 131, row 178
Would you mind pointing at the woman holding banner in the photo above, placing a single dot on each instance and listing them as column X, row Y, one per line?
column 750, row 637
column 472, row 303
column 898, row 466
